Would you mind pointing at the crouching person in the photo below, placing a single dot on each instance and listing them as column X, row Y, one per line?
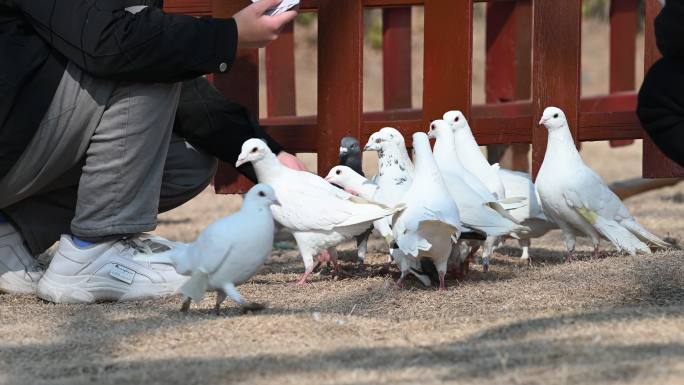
column 105, row 121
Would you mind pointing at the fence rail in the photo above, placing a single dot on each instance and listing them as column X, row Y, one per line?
column 528, row 68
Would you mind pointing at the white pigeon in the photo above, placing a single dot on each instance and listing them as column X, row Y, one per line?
column 395, row 172
column 228, row 252
column 515, row 184
column 472, row 159
column 476, row 213
column 319, row 215
column 577, row 199
column 532, row 216
column 430, row 225
column 357, row 184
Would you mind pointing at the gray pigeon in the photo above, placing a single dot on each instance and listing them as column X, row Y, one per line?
column 350, row 154
column 352, row 157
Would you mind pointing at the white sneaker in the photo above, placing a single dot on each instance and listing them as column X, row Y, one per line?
column 108, row 272
column 19, row 271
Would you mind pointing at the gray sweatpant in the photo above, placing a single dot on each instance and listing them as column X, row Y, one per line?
column 103, row 162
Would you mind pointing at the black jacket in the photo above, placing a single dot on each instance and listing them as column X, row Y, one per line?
column 661, row 98
column 39, row 37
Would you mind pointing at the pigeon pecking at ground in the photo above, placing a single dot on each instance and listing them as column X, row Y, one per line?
column 319, row 215
column 476, row 213
column 577, row 199
column 228, row 252
column 515, row 184
column 430, row 225
column 351, row 156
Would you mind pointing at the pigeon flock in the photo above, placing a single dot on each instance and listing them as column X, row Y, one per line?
column 435, row 211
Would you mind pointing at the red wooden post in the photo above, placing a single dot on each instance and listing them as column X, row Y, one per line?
column 556, row 67
column 448, row 58
column 623, row 31
column 340, row 76
column 396, row 49
column 280, row 75
column 508, row 68
column 655, row 163
column 241, row 84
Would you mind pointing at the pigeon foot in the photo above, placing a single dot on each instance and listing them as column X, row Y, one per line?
column 186, row 305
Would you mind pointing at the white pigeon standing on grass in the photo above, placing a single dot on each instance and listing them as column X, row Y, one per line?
column 515, row 184
column 476, row 213
column 472, row 158
column 578, row 200
column 319, row 215
column 520, row 184
column 430, row 225
column 357, row 184
column 395, row 173
column 228, row 252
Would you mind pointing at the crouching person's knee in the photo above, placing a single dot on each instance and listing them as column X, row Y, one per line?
column 187, row 173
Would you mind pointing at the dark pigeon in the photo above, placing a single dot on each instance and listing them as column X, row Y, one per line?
column 352, row 157
column 351, row 154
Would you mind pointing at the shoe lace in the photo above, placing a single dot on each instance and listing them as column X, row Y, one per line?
column 137, row 245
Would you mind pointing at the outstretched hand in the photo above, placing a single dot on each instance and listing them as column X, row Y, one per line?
column 291, row 161
column 256, row 30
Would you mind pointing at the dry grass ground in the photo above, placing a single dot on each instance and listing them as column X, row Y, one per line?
column 613, row 320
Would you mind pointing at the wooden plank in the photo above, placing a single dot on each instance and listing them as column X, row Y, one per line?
column 623, row 32
column 280, row 74
column 556, row 66
column 396, row 64
column 501, row 36
column 500, row 68
column 340, row 76
column 241, row 84
column 655, row 163
column 189, row 7
column 448, row 48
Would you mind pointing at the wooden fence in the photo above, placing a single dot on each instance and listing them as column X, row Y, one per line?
column 533, row 61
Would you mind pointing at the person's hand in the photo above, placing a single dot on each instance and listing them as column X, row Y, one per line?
column 256, row 30
column 291, row 161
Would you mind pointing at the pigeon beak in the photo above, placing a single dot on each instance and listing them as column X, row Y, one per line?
column 327, row 178
column 276, row 202
column 542, row 121
column 240, row 161
column 343, row 150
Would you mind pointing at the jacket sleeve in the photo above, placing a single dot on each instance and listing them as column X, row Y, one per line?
column 149, row 46
column 214, row 124
column 669, row 29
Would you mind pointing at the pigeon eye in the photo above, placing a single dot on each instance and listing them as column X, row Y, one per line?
column 262, row 194
column 555, row 116
column 432, row 126
column 255, row 149
column 378, row 140
column 338, row 172
column 456, row 119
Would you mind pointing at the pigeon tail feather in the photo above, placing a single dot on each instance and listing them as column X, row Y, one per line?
column 643, row 234
column 620, row 236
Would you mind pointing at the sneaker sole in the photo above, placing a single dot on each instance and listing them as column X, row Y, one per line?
column 90, row 289
column 12, row 285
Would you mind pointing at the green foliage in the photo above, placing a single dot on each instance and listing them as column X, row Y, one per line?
column 596, row 8
column 306, row 18
column 373, row 28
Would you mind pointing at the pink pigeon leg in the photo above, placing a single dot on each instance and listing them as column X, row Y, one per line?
column 442, row 285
